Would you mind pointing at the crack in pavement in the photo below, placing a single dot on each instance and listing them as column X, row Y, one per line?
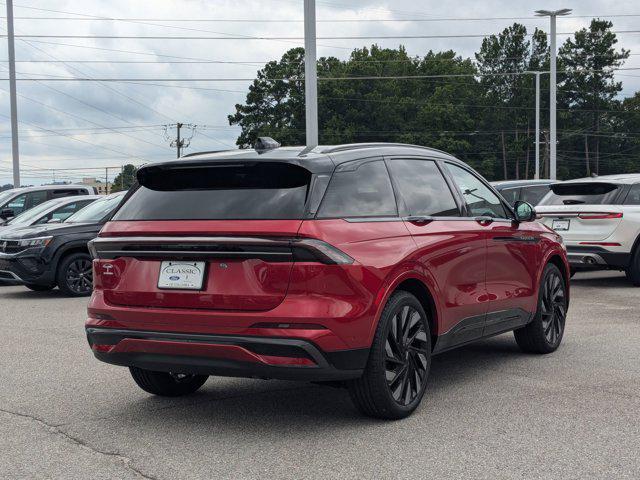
column 55, row 429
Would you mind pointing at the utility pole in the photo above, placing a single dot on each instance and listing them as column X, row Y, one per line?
column 12, row 96
column 106, row 181
column 310, row 73
column 537, row 175
column 553, row 85
column 178, row 141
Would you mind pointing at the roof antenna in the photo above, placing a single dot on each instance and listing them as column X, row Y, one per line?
column 264, row 144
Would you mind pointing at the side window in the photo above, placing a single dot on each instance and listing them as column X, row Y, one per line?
column 423, row 188
column 18, row 204
column 363, row 192
column 510, row 195
column 65, row 212
column 480, row 199
column 35, row 198
column 534, row 194
column 633, row 198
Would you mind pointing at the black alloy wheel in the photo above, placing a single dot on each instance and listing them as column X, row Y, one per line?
column 75, row 275
column 544, row 333
column 406, row 355
column 394, row 381
column 553, row 307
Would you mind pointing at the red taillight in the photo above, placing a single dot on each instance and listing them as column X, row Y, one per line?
column 600, row 216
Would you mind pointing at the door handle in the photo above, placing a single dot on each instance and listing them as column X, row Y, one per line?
column 484, row 220
column 419, row 219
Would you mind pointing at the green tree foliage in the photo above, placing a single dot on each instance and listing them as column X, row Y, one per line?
column 124, row 179
column 484, row 118
column 588, row 94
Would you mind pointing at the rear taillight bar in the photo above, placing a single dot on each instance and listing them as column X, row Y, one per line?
column 599, row 216
column 192, row 248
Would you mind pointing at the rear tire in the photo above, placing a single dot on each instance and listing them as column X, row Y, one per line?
column 75, row 275
column 167, row 384
column 633, row 272
column 39, row 288
column 544, row 333
column 394, row 380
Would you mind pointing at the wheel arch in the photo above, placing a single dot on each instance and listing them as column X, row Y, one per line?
column 423, row 290
column 557, row 260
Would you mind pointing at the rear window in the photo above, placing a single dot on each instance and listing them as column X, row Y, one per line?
column 248, row 191
column 588, row 193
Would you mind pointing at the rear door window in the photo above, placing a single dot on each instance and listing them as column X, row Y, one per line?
column 423, row 188
column 251, row 191
column 362, row 191
column 587, row 193
column 479, row 198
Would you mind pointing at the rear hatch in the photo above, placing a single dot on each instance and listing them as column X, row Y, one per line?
column 582, row 212
column 205, row 237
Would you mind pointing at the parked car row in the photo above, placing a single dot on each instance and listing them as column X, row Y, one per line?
column 44, row 254
column 17, row 200
column 598, row 218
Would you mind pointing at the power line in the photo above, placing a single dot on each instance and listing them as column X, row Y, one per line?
column 294, row 20
column 283, row 79
column 246, row 37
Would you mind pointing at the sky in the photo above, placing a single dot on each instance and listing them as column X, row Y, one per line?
column 70, row 130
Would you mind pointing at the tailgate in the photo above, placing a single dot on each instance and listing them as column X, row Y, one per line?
column 581, row 223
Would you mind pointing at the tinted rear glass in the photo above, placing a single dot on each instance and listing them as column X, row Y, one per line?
column 633, row 198
column 588, row 193
column 259, row 191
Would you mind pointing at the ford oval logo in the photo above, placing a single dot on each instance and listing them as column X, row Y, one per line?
column 174, row 278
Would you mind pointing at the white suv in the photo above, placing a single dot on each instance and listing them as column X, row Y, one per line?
column 599, row 220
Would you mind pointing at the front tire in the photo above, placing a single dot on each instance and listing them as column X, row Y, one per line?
column 167, row 384
column 75, row 275
column 544, row 333
column 395, row 377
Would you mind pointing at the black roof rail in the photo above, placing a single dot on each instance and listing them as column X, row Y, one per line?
column 356, row 146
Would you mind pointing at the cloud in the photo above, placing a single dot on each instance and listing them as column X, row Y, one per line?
column 96, row 105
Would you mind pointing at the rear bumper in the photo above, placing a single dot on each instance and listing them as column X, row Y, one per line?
column 596, row 258
column 225, row 355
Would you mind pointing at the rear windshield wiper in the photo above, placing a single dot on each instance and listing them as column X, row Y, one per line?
column 573, row 202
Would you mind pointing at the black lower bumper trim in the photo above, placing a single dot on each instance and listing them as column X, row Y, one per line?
column 614, row 260
column 339, row 365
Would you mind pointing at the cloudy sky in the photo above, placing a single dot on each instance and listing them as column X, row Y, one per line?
column 78, row 128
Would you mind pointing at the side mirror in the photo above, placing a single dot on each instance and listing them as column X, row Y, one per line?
column 524, row 211
column 55, row 220
column 7, row 213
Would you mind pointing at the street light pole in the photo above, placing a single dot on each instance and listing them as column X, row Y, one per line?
column 537, row 175
column 12, row 96
column 310, row 74
column 553, row 85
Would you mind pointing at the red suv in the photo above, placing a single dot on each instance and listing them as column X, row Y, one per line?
column 353, row 263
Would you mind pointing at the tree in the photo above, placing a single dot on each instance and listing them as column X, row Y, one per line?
column 512, row 95
column 275, row 103
column 588, row 88
column 124, row 179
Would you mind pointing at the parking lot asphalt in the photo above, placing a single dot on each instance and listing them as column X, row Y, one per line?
column 490, row 411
